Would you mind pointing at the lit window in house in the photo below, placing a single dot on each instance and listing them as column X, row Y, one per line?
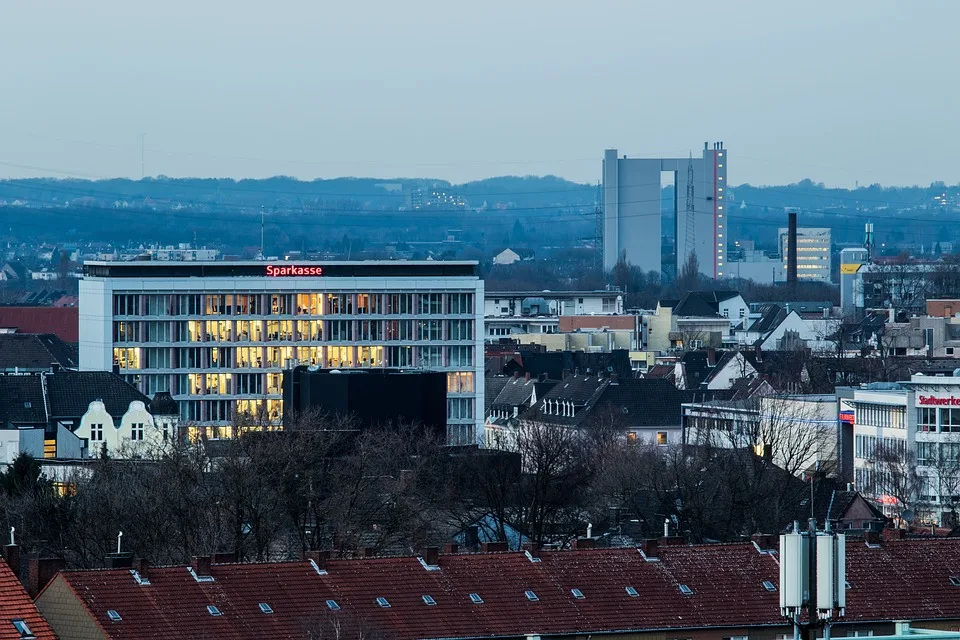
column 662, row 438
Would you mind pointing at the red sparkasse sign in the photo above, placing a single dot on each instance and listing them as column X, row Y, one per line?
column 934, row 401
column 293, row 270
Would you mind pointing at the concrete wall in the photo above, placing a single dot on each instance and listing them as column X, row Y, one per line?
column 13, row 442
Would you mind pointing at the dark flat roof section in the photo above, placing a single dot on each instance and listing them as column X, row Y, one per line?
column 258, row 269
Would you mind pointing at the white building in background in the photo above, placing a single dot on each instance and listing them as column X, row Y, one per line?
column 219, row 335
column 633, row 220
column 509, row 313
column 813, row 253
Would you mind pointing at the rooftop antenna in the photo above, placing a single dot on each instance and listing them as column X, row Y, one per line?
column 262, row 255
column 691, row 235
column 119, row 535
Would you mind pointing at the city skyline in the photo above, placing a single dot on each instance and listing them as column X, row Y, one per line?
column 326, row 91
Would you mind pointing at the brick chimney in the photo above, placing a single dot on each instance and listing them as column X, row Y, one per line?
column 42, row 571
column 648, row 548
column 711, row 357
column 11, row 553
column 672, row 541
column 142, row 567
column 201, row 565
column 764, row 541
column 431, row 555
column 320, row 558
column 526, row 376
column 224, row 558
column 491, row 547
column 871, row 537
column 583, row 543
column 368, row 552
column 894, row 534
column 451, row 548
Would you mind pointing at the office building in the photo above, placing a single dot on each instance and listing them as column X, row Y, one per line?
column 659, row 236
column 219, row 335
column 813, row 253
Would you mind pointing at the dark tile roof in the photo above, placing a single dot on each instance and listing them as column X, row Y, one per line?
column 36, row 352
column 21, row 400
column 71, row 392
column 492, row 385
column 646, row 402
column 702, row 303
column 553, row 364
column 516, row 392
column 17, row 605
column 726, row 581
column 163, row 404
column 771, row 315
column 62, row 321
column 697, row 367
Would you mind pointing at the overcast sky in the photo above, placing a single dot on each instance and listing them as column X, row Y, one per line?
column 838, row 91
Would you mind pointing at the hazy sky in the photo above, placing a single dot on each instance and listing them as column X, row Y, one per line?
column 837, row 91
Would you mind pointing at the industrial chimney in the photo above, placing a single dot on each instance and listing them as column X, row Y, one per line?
column 792, row 248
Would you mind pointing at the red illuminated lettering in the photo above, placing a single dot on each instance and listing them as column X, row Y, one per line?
column 293, row 270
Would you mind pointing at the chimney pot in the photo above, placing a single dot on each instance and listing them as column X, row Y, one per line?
column 516, row 374
column 526, row 376
column 201, row 565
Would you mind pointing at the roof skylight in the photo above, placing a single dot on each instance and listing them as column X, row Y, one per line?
column 212, row 610
column 429, row 600
column 531, row 596
column 685, row 590
column 633, row 593
column 769, row 586
column 266, row 608
column 383, row 602
column 475, row 598
column 332, row 605
column 577, row 594
column 113, row 615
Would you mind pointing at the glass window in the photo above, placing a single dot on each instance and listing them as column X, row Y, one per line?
column 950, row 420
column 431, row 303
column 126, row 358
column 431, row 357
column 310, row 304
column 460, row 382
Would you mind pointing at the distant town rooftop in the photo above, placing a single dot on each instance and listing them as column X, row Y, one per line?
column 546, row 293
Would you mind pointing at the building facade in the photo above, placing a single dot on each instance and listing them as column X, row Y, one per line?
column 813, row 253
column 219, row 335
column 657, row 236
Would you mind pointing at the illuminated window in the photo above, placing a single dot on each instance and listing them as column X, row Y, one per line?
column 631, row 437
column 661, row 438
column 460, row 382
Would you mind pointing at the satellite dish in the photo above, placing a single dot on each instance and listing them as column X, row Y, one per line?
column 908, row 515
column 313, row 368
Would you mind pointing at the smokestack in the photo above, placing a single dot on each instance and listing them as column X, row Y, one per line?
column 792, row 248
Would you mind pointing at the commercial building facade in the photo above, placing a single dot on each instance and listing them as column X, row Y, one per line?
column 219, row 335
column 633, row 213
column 813, row 253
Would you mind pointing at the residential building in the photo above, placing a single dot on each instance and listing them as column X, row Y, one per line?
column 19, row 617
column 634, row 221
column 701, row 319
column 813, row 253
column 509, row 313
column 77, row 414
column 218, row 335
column 31, row 352
column 64, row 322
column 660, row 589
column 510, row 256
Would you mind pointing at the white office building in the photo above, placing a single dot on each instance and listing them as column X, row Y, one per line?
column 813, row 253
column 219, row 335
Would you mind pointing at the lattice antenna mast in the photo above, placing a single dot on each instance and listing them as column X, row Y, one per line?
column 691, row 235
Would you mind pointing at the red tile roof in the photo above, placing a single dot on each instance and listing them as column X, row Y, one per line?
column 901, row 580
column 15, row 604
column 62, row 321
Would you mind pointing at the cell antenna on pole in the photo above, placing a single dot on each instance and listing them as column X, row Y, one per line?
column 691, row 235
